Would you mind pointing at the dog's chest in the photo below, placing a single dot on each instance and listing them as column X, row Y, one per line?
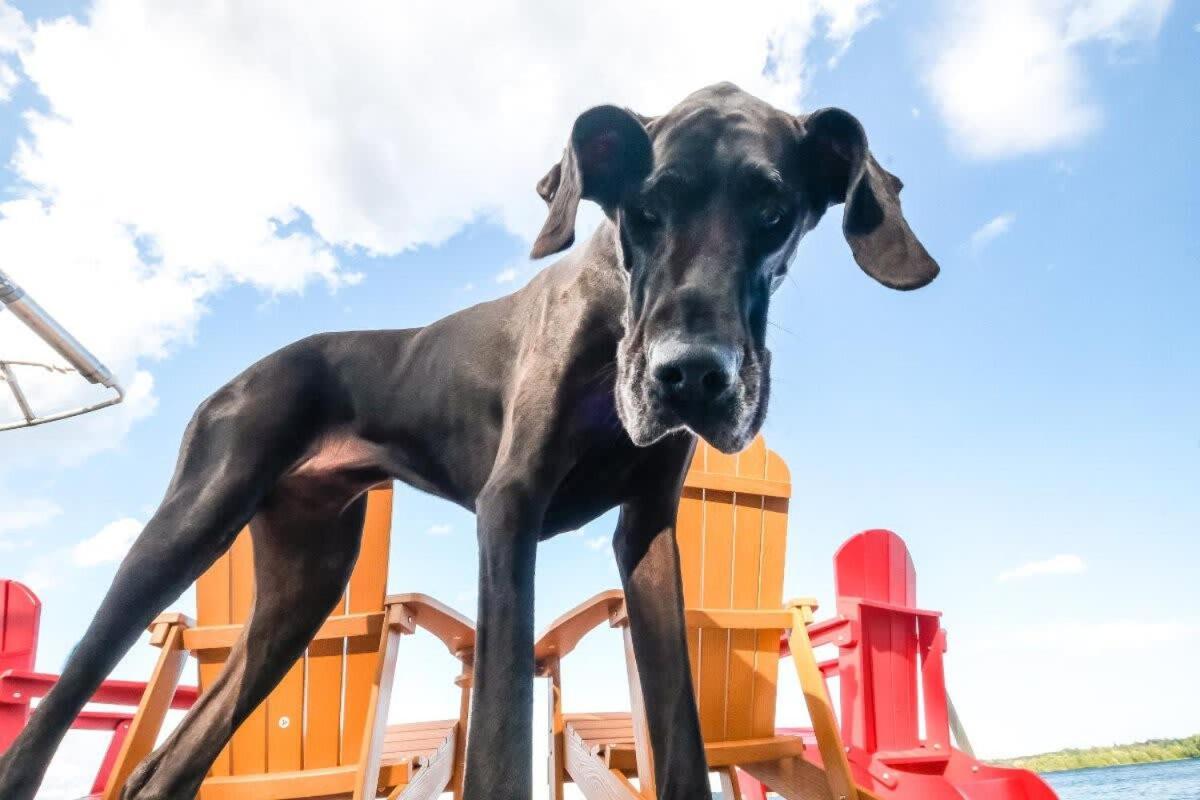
column 598, row 481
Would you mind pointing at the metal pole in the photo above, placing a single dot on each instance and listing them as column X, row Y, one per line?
column 35, row 317
column 14, row 298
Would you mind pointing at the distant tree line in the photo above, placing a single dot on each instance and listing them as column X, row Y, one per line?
column 1150, row 752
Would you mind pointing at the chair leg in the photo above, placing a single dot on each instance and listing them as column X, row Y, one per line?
column 433, row 777
column 792, row 779
column 594, row 779
column 366, row 780
column 751, row 787
column 731, row 787
column 119, row 734
column 464, row 682
column 820, row 709
column 556, row 758
column 643, row 751
column 151, row 712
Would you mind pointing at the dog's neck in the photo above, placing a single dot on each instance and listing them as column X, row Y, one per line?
column 604, row 247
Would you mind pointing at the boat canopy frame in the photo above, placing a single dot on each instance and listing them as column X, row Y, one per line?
column 80, row 359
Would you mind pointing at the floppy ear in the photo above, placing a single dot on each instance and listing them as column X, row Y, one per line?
column 609, row 150
column 873, row 223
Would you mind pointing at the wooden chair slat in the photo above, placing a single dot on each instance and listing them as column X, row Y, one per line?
column 717, row 462
column 323, row 701
column 396, row 733
column 214, row 607
column 712, row 688
column 689, row 527
column 766, row 665
column 285, row 722
column 249, row 744
column 743, row 645
column 367, row 589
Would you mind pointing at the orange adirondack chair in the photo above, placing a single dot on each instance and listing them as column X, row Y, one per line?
column 732, row 533
column 322, row 733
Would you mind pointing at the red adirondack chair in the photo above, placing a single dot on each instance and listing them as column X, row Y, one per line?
column 896, row 717
column 20, row 614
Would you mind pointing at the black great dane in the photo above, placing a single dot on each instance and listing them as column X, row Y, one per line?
column 539, row 411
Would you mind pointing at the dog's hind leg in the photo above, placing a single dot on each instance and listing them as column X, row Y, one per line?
column 306, row 540
column 237, row 445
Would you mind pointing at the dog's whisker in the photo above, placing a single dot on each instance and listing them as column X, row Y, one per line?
column 780, row 327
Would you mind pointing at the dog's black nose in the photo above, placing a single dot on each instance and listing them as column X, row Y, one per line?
column 693, row 376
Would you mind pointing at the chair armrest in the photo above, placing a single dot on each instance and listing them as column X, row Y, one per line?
column 896, row 609
column 753, row 619
column 456, row 631
column 833, row 631
column 565, row 633
column 18, row 686
column 101, row 720
column 171, row 618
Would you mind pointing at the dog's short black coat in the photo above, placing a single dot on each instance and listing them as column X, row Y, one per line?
column 538, row 411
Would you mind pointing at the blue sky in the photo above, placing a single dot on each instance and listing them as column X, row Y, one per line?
column 1028, row 422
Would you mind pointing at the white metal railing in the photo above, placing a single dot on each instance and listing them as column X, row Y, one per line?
column 23, row 307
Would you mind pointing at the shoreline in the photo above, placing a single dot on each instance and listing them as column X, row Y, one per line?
column 1154, row 751
column 1119, row 766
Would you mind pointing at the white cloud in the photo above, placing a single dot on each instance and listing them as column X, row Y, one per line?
column 1117, row 21
column 1058, row 565
column 990, row 230
column 507, row 276
column 185, row 147
column 20, row 515
column 108, row 545
column 1007, row 76
column 597, row 542
column 14, row 31
column 8, row 81
column 845, row 18
column 441, row 529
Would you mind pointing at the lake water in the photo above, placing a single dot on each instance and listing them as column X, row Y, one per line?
column 1174, row 780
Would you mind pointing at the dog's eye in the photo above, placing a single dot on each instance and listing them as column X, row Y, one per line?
column 771, row 216
column 645, row 214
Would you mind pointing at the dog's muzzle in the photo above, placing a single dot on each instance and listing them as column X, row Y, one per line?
column 695, row 381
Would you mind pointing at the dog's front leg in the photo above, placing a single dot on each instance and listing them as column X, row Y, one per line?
column 648, row 558
column 499, row 745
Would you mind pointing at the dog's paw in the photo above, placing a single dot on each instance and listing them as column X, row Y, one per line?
column 137, row 781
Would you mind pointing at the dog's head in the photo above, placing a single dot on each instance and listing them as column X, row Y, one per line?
column 709, row 202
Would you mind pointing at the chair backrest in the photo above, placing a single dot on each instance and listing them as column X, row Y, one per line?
column 880, row 704
column 315, row 716
column 875, row 565
column 20, row 613
column 732, row 534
